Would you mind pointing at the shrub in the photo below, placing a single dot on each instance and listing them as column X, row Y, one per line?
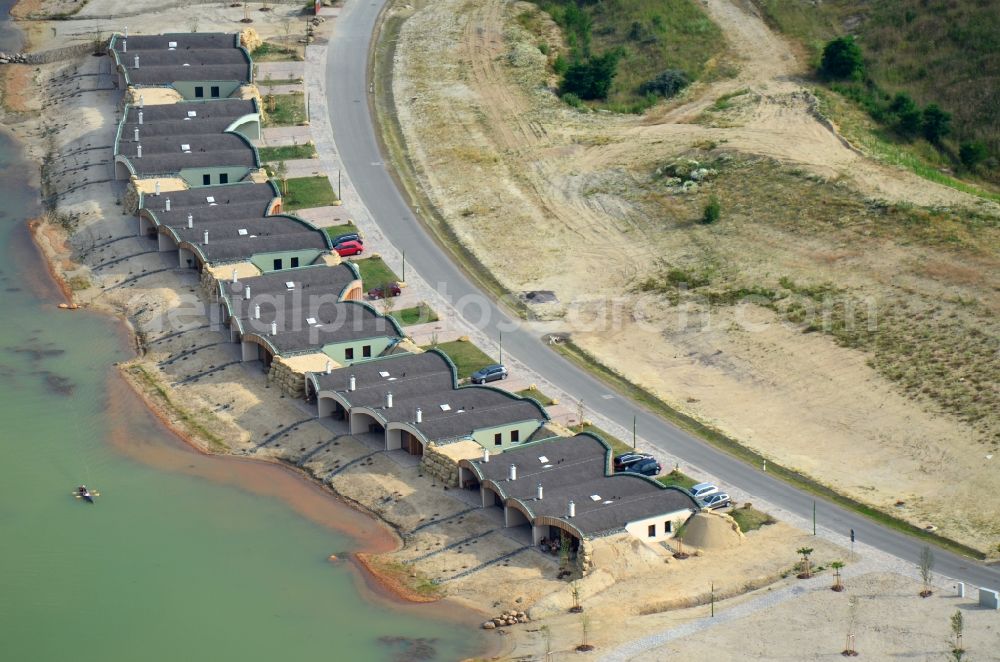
column 936, row 124
column 667, row 84
column 591, row 79
column 908, row 116
column 972, row 154
column 712, row 211
column 543, row 48
column 572, row 100
column 560, row 65
column 842, row 60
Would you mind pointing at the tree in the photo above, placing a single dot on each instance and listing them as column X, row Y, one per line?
column 281, row 172
column 908, row 116
column 926, row 566
column 957, row 629
column 852, row 622
column 575, row 591
column 585, row 627
column 842, row 60
column 937, row 123
column 591, row 79
column 712, row 211
column 806, row 569
column 667, row 84
column 837, row 584
column 972, row 154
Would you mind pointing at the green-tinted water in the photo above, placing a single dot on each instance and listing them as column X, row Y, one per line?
column 184, row 556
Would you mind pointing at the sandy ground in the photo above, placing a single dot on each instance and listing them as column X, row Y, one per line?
column 497, row 153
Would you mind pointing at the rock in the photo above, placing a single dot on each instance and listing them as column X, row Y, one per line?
column 489, row 625
column 499, row 621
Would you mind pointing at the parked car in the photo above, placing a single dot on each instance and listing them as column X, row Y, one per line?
column 490, row 373
column 646, row 467
column 703, row 490
column 627, row 459
column 349, row 236
column 717, row 500
column 349, row 248
column 392, row 289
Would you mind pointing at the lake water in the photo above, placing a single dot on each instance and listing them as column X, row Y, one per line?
column 184, row 556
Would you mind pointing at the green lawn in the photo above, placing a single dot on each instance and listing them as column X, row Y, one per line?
column 537, row 395
column 421, row 314
column 285, row 109
column 274, row 82
column 750, row 519
column 306, row 192
column 374, row 271
column 271, row 52
column 467, row 357
column 287, row 153
column 617, row 445
column 677, row 479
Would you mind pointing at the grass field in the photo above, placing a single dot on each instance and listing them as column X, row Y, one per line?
column 337, row 230
column 374, row 271
column 284, row 109
column 467, row 357
column 652, row 35
column 420, row 314
column 677, row 479
column 287, row 153
column 749, row 519
column 306, row 192
column 939, row 52
column 272, row 52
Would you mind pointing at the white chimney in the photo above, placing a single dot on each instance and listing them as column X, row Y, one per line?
column 206, row 236
column 190, row 221
column 235, row 279
column 141, row 100
column 136, row 61
column 126, row 32
column 353, row 384
column 274, row 328
column 486, row 455
column 166, row 205
column 140, row 117
column 156, row 187
column 388, row 399
column 138, row 151
column 420, row 415
column 256, row 312
column 136, row 134
column 329, row 367
column 124, row 45
column 539, row 492
column 246, row 293
column 572, row 510
column 512, row 474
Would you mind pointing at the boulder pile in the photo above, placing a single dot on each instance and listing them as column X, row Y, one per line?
column 506, row 618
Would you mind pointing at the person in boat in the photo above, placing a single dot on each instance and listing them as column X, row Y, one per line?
column 82, row 489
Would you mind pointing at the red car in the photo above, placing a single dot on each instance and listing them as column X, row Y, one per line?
column 349, row 248
column 380, row 292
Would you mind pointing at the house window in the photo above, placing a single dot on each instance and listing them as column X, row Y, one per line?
column 199, row 92
column 498, row 439
column 295, row 262
column 224, row 178
column 651, row 531
column 366, row 351
column 215, row 91
column 349, row 353
column 277, row 264
column 515, row 436
column 668, row 526
column 206, row 180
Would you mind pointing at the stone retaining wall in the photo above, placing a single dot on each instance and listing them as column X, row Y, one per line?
column 290, row 382
column 45, row 57
column 439, row 466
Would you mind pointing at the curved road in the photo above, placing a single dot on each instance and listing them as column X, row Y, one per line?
column 347, row 95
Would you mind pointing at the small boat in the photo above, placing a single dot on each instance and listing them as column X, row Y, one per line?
column 83, row 493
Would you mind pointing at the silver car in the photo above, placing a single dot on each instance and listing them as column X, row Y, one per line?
column 717, row 500
column 703, row 490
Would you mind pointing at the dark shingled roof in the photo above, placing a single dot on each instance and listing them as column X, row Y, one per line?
column 427, row 381
column 287, row 234
column 229, row 202
column 318, row 280
column 176, row 119
column 336, row 321
column 184, row 41
column 197, row 57
column 577, row 469
column 163, row 155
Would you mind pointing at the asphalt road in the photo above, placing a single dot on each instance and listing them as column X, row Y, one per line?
column 347, row 93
